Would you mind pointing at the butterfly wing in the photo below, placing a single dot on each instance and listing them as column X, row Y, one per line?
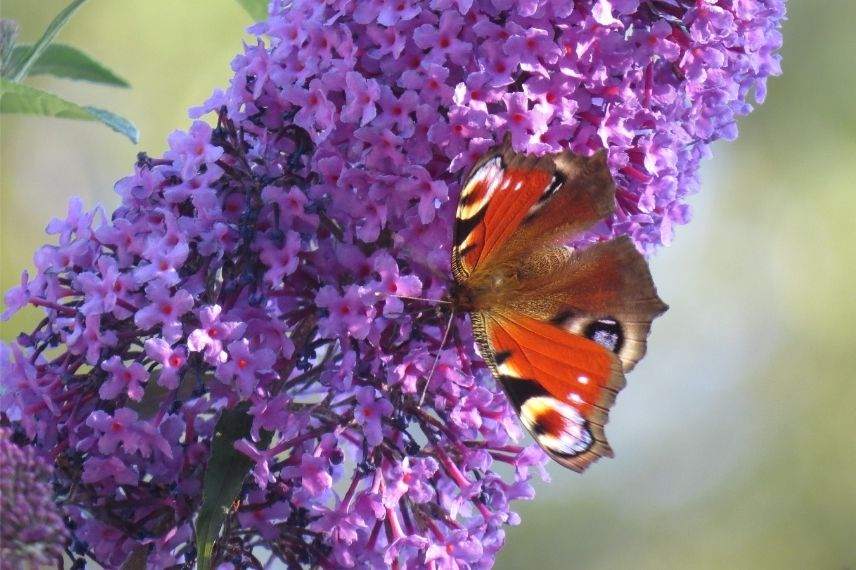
column 603, row 292
column 510, row 201
column 561, row 343
column 561, row 384
column 557, row 327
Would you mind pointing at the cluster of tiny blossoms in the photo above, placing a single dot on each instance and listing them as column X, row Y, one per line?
column 32, row 531
column 259, row 266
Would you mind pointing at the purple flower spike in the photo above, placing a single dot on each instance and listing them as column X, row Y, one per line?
column 265, row 268
column 32, row 531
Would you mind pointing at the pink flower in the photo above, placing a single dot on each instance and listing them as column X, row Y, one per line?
column 190, row 150
column 392, row 284
column 361, row 95
column 123, row 379
column 370, row 412
column 429, row 81
column 16, row 297
column 88, row 338
column 523, row 123
column 316, row 113
column 165, row 309
column 124, row 429
column 281, row 258
column 348, row 314
column 476, row 92
column 269, row 414
column 164, row 265
column 244, row 366
column 459, row 547
column 389, row 41
column 313, row 473
column 465, row 124
column 384, row 148
column 265, row 518
column 261, row 462
column 212, row 333
column 292, row 206
column 442, row 40
column 77, row 223
column 104, row 288
column 499, row 65
column 396, row 111
column 535, row 47
column 171, row 359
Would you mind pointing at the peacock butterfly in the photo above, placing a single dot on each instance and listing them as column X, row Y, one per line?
column 558, row 327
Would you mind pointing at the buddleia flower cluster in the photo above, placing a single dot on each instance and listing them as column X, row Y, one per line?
column 32, row 530
column 246, row 304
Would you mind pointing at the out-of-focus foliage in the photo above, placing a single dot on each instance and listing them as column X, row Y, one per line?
column 173, row 53
column 734, row 439
column 257, row 9
column 45, row 57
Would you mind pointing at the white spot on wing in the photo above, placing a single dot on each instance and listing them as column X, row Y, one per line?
column 574, row 437
column 506, row 370
column 490, row 174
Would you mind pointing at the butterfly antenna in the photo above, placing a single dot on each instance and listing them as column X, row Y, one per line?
column 437, row 358
column 438, row 301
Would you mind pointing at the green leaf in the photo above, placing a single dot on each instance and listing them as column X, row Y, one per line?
column 68, row 62
column 257, row 9
column 224, row 477
column 26, row 100
column 21, row 70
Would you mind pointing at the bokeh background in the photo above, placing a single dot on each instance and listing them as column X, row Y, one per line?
column 735, row 438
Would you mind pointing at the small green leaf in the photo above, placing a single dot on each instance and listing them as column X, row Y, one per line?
column 21, row 70
column 224, row 477
column 23, row 99
column 68, row 62
column 257, row 9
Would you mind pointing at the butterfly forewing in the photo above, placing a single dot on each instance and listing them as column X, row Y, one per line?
column 557, row 327
column 509, row 200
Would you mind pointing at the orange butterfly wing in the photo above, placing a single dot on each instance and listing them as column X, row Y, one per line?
column 503, row 199
column 557, row 327
column 561, row 384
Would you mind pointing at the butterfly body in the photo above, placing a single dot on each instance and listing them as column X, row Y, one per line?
column 558, row 327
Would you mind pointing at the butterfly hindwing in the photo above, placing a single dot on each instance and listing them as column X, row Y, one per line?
column 603, row 292
column 560, row 384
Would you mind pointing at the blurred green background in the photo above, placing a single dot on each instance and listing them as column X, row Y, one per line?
column 735, row 438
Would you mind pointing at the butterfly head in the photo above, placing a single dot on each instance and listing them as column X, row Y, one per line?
column 462, row 297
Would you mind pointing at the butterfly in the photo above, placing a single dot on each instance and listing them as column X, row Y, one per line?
column 558, row 327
